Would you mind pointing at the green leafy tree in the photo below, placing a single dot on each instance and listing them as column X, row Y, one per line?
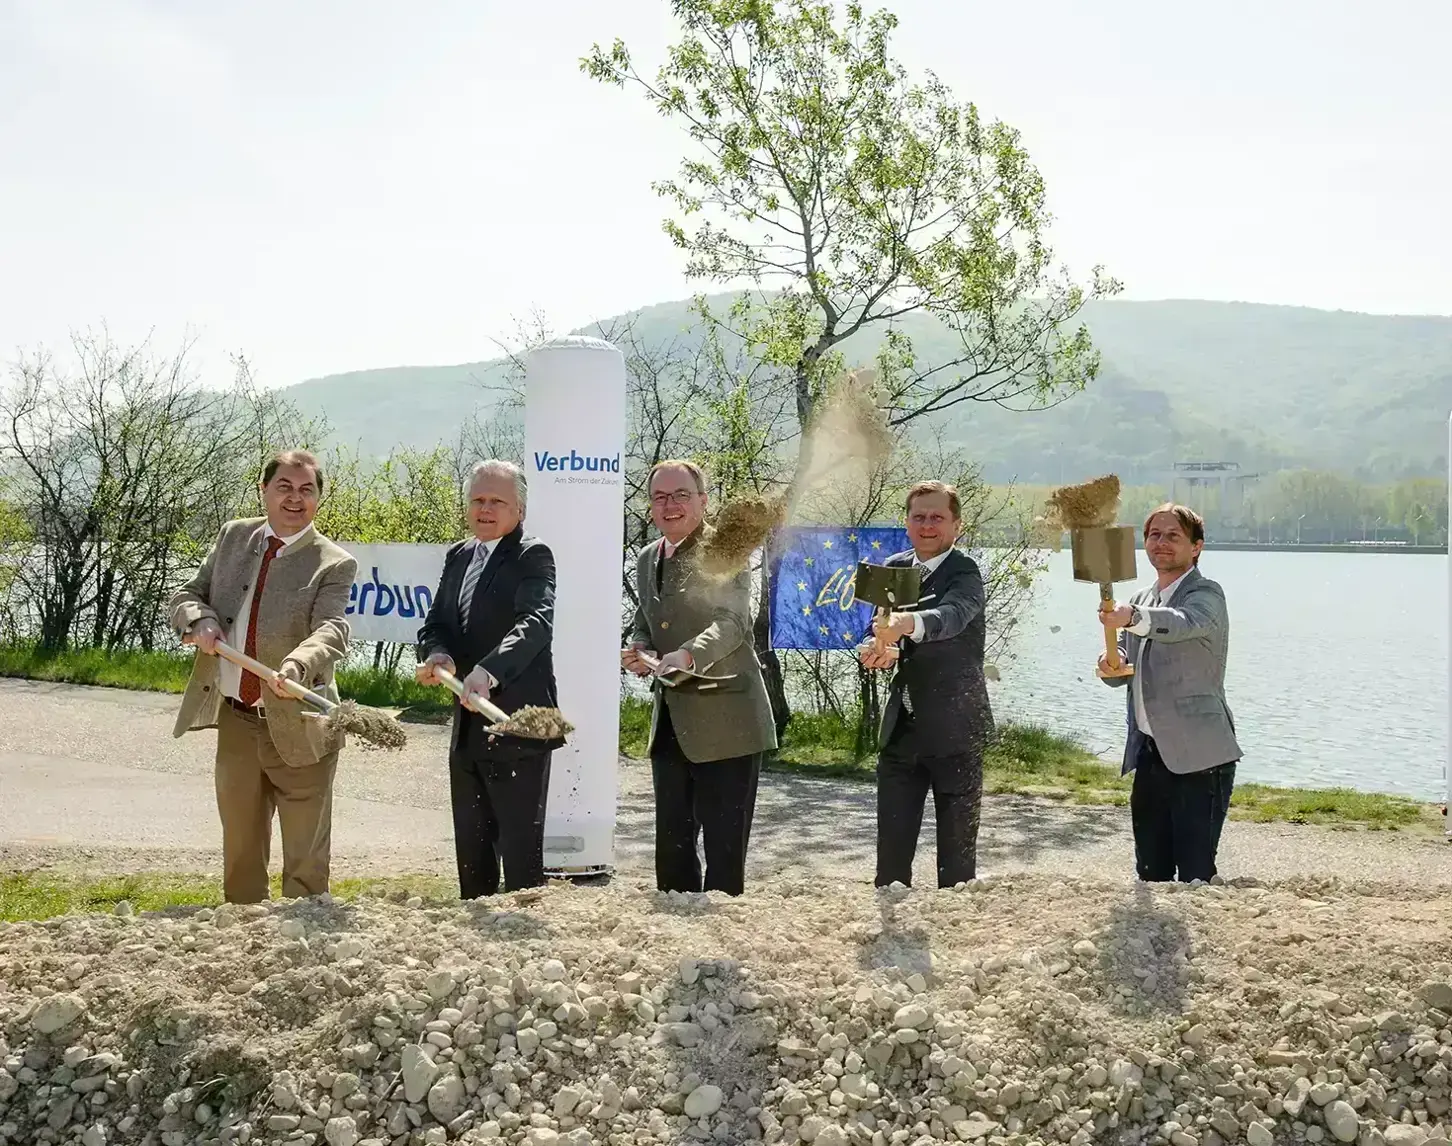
column 822, row 170
column 850, row 196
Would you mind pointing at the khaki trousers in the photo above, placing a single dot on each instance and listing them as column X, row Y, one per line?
column 253, row 781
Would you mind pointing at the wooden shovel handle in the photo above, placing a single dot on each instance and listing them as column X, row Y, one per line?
column 1111, row 634
column 260, row 670
column 478, row 703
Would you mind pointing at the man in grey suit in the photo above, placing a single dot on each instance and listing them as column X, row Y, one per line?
column 937, row 719
column 1181, row 745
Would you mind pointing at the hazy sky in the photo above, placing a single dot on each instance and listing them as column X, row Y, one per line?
column 337, row 184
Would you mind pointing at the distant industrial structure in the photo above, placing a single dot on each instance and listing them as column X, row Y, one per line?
column 1218, row 491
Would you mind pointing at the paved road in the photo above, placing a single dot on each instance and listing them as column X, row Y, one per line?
column 93, row 777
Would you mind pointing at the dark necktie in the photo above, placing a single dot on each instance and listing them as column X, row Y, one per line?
column 252, row 686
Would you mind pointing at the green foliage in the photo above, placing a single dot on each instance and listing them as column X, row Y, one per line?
column 410, row 496
column 820, row 168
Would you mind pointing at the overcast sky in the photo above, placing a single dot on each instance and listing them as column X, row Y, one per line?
column 339, row 184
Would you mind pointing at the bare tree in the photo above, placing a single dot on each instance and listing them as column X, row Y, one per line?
column 121, row 471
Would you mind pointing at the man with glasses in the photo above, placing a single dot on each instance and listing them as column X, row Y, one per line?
column 711, row 720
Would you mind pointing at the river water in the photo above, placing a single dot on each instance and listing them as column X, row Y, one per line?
column 1337, row 673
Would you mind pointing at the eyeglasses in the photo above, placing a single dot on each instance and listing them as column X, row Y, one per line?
column 678, row 497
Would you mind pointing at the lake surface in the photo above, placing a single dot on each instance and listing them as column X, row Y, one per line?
column 1337, row 673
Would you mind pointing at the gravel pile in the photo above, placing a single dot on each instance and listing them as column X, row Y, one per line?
column 1021, row 1010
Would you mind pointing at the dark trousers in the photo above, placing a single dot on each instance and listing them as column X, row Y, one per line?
column 499, row 816
column 904, row 778
column 716, row 800
column 1177, row 819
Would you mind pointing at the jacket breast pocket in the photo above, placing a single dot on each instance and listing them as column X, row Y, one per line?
column 1199, row 705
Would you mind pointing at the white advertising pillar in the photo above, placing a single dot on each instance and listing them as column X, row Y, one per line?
column 574, row 447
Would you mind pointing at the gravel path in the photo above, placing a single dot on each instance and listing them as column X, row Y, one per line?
column 92, row 777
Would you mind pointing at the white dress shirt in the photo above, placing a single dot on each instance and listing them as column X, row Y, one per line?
column 1162, row 597
column 229, row 676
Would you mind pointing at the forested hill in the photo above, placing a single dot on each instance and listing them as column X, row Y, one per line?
column 1269, row 386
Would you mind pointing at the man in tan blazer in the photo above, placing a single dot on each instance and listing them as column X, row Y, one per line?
column 275, row 588
column 707, row 737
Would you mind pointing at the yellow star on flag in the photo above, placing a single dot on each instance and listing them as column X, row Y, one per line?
column 806, row 610
column 802, row 585
column 822, row 629
column 852, row 537
column 811, row 561
column 846, row 636
column 827, row 544
column 877, row 545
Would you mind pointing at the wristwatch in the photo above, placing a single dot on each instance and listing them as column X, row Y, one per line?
column 1135, row 616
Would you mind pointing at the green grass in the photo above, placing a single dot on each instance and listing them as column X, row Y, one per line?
column 120, row 668
column 30, row 895
column 1024, row 760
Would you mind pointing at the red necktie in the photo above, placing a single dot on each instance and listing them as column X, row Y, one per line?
column 252, row 686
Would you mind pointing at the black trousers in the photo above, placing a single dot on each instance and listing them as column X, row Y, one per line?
column 715, row 800
column 499, row 817
column 904, row 777
column 1177, row 818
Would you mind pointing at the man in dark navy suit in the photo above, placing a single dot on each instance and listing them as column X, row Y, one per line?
column 937, row 719
column 493, row 620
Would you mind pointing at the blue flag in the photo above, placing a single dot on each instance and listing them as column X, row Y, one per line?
column 812, row 601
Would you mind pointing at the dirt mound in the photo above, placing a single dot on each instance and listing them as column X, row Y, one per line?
column 1024, row 1011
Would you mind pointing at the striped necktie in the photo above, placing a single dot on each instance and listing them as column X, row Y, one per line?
column 907, row 700
column 471, row 581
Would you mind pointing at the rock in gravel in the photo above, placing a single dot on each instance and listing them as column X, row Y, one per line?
column 57, row 1012
column 341, row 1132
column 446, row 1098
column 704, row 1101
column 419, row 1073
column 1257, row 1135
column 1341, row 1120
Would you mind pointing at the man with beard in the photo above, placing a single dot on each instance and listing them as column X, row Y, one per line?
column 707, row 736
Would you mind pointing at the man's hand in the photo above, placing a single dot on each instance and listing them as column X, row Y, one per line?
column 891, row 626
column 632, row 659
column 680, row 659
column 425, row 673
column 1118, row 618
column 204, row 634
column 288, row 671
column 874, row 658
column 476, row 684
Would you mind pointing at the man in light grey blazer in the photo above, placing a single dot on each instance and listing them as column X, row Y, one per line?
column 1181, row 745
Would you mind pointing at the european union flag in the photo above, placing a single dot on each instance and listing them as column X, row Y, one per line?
column 812, row 601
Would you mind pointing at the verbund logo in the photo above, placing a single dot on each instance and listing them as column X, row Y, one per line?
column 574, row 462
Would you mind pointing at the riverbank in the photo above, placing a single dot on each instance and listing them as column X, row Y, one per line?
column 1025, row 760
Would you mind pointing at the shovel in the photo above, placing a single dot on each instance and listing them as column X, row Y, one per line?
column 653, row 664
column 887, row 588
column 368, row 724
column 531, row 722
column 1104, row 554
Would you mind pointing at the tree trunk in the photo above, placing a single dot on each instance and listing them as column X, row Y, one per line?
column 770, row 662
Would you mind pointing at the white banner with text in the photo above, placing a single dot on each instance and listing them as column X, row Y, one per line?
column 392, row 590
